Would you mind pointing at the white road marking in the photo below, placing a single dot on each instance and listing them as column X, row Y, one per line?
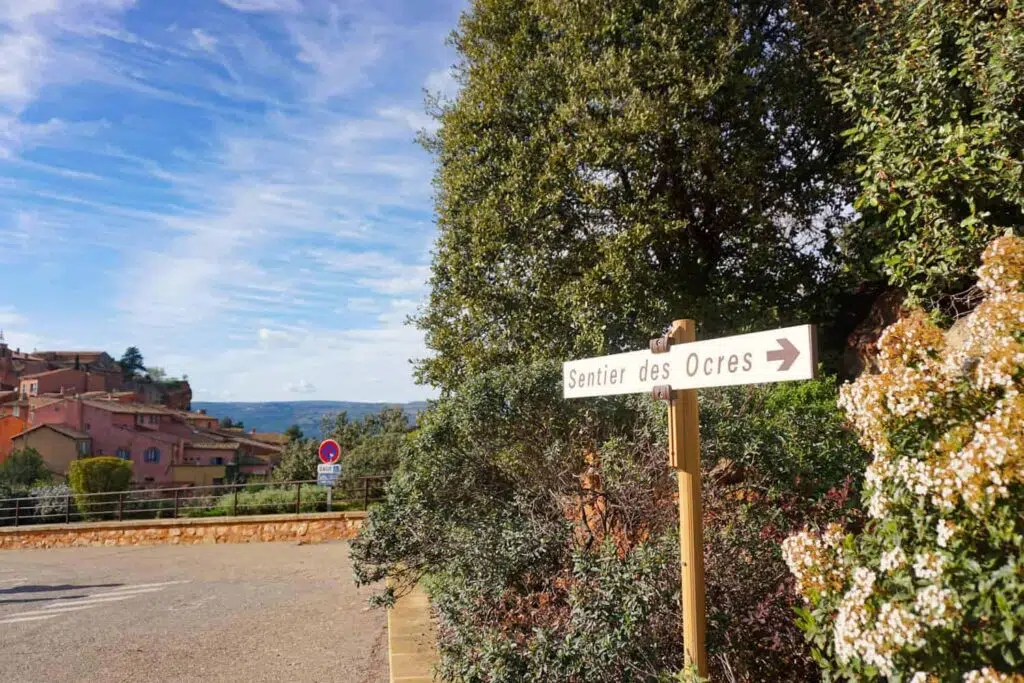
column 60, row 606
column 56, row 610
column 17, row 580
column 19, row 619
column 142, row 585
column 91, row 601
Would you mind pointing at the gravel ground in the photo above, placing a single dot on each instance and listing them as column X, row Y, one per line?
column 247, row 612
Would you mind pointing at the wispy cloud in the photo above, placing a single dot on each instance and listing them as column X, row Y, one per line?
column 240, row 185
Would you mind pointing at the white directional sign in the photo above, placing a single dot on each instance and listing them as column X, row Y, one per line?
column 759, row 358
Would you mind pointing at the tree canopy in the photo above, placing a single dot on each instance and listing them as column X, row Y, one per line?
column 22, row 468
column 935, row 91
column 132, row 362
column 611, row 165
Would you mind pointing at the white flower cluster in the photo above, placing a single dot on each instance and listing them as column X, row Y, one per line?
column 892, row 560
column 816, row 563
column 970, row 394
column 877, row 638
column 1002, row 270
column 944, row 530
column 928, row 566
column 990, row 675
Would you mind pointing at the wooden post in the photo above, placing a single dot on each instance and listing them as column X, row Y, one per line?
column 684, row 457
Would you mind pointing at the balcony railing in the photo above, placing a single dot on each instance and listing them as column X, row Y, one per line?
column 252, row 498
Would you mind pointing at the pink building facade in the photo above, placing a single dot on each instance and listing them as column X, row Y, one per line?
column 154, row 438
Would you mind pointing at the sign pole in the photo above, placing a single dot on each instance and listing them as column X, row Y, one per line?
column 330, row 490
column 684, row 457
column 674, row 367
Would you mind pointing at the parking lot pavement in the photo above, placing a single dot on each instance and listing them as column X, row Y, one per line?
column 246, row 612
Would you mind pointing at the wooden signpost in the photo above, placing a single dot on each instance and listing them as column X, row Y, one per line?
column 673, row 369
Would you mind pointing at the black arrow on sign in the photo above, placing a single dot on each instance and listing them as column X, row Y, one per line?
column 787, row 354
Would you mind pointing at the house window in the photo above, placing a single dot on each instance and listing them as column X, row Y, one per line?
column 17, row 411
column 83, row 448
column 140, row 419
column 151, row 455
column 88, row 427
column 124, row 454
column 154, row 419
column 217, row 461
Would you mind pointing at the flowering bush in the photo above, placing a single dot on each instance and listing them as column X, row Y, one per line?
column 932, row 589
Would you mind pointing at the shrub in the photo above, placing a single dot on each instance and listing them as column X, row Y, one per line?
column 932, row 589
column 98, row 475
column 263, row 501
column 548, row 528
column 775, row 458
column 22, row 468
column 50, row 501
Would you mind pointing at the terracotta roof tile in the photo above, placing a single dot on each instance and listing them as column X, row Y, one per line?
column 60, row 429
column 36, row 402
column 128, row 408
column 214, row 445
column 275, row 438
column 47, row 373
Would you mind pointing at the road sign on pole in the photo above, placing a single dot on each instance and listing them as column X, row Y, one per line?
column 762, row 357
column 329, row 451
column 673, row 369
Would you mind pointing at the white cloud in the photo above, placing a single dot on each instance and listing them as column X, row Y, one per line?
column 300, row 387
column 203, row 40
column 275, row 338
column 414, row 119
column 262, row 5
column 9, row 317
column 42, row 44
column 442, row 83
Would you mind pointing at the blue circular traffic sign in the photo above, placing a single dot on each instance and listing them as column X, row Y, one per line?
column 329, row 451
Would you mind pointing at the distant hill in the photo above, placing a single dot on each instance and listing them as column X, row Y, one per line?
column 277, row 416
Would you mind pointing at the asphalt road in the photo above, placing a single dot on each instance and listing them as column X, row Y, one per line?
column 248, row 612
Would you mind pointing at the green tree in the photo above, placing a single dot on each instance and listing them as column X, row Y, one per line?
column 98, row 475
column 294, row 433
column 298, row 462
column 156, row 374
column 23, row 468
column 935, row 91
column 132, row 363
column 610, row 165
column 228, row 423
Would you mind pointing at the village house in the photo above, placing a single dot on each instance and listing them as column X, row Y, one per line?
column 66, row 381
column 164, row 446
column 62, row 445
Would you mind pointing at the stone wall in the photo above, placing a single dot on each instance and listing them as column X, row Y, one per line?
column 305, row 528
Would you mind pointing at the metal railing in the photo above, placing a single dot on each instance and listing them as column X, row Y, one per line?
column 253, row 498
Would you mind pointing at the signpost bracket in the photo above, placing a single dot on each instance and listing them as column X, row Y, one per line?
column 662, row 392
column 661, row 344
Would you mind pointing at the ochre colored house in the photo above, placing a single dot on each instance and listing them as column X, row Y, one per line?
column 58, row 445
column 63, row 381
column 10, row 426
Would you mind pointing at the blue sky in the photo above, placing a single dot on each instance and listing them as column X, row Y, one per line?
column 232, row 186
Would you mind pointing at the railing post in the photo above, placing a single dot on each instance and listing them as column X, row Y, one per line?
column 17, row 510
column 120, row 506
column 366, row 493
column 176, row 492
column 67, row 509
column 234, row 502
column 298, row 496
